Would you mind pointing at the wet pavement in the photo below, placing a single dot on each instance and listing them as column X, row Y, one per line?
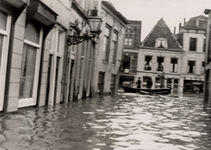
column 129, row 122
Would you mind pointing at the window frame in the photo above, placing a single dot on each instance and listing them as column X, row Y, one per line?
column 23, row 102
column 193, row 44
column 4, row 57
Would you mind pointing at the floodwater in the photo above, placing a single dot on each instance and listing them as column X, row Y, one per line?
column 129, row 122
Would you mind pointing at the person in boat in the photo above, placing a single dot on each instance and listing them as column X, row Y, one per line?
column 138, row 83
column 149, row 83
column 162, row 78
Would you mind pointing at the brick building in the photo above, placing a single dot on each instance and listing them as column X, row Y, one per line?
column 130, row 55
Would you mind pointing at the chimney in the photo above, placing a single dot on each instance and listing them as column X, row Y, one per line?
column 179, row 25
column 174, row 30
column 184, row 22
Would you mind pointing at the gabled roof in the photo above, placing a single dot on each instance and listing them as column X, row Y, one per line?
column 161, row 30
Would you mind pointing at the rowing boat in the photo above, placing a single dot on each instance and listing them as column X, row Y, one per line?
column 147, row 91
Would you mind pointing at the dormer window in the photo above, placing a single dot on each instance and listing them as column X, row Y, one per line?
column 201, row 24
column 161, row 43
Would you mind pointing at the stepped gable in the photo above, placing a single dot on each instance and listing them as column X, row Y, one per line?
column 191, row 23
column 161, row 30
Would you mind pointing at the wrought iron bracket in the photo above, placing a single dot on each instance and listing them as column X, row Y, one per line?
column 76, row 39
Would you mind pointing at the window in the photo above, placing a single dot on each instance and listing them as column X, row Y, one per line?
column 106, row 43
column 29, row 62
column 203, row 67
column 161, row 43
column 191, row 66
column 145, row 79
column 147, row 65
column 193, row 42
column 5, row 24
column 160, row 63
column 201, row 24
column 128, row 39
column 114, row 47
column 204, row 46
column 173, row 65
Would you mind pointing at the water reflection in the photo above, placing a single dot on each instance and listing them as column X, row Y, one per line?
column 131, row 122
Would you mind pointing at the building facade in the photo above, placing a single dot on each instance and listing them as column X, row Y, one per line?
column 160, row 53
column 130, row 56
column 110, row 49
column 50, row 54
column 207, row 75
column 192, row 37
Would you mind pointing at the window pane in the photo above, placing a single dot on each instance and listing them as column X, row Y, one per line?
column 32, row 32
column 27, row 72
column 3, row 20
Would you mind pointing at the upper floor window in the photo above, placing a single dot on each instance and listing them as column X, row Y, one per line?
column 201, row 24
column 160, row 63
column 106, row 42
column 204, row 46
column 147, row 65
column 161, row 43
column 173, row 65
column 191, row 66
column 114, row 47
column 128, row 39
column 193, row 42
column 203, row 67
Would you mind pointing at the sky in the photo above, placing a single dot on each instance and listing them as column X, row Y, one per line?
column 150, row 11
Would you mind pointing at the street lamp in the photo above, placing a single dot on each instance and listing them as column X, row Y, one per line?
column 94, row 23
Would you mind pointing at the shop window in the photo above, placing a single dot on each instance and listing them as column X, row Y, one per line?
column 157, row 82
column 145, row 79
column 161, row 43
column 193, row 42
column 160, row 63
column 173, row 65
column 191, row 66
column 147, row 65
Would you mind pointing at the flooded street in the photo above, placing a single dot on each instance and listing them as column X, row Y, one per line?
column 131, row 122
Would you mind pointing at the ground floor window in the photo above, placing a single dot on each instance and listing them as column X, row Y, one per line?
column 27, row 72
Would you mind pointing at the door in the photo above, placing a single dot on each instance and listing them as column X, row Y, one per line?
column 55, row 70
